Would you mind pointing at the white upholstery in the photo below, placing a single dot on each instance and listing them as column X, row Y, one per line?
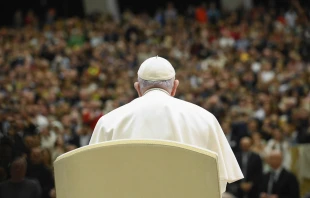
column 137, row 169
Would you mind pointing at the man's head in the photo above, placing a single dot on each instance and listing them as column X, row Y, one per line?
column 18, row 169
column 226, row 127
column 245, row 144
column 277, row 134
column 156, row 72
column 275, row 159
column 36, row 155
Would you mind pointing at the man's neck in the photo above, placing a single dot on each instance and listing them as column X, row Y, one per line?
column 277, row 172
column 246, row 152
column 156, row 89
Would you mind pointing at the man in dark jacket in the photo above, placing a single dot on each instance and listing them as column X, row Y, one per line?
column 18, row 186
column 251, row 166
column 37, row 170
column 279, row 183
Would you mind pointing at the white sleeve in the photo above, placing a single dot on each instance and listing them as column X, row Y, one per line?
column 229, row 170
column 97, row 135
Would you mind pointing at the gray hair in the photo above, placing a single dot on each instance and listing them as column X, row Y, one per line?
column 148, row 84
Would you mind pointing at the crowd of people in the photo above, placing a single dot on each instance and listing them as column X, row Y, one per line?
column 251, row 70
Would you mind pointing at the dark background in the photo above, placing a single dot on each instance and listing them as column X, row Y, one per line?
column 151, row 6
column 68, row 8
column 65, row 8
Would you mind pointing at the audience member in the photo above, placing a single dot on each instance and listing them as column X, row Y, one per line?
column 279, row 182
column 37, row 170
column 232, row 138
column 278, row 143
column 259, row 144
column 252, row 169
column 59, row 148
column 18, row 186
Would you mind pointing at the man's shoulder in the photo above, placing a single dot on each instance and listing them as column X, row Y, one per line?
column 26, row 182
column 255, row 155
column 115, row 113
column 171, row 102
column 4, row 184
column 31, row 181
column 186, row 104
column 192, row 107
column 288, row 174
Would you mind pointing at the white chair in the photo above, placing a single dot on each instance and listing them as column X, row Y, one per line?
column 137, row 169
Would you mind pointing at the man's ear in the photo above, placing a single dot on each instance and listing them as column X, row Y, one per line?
column 175, row 86
column 137, row 87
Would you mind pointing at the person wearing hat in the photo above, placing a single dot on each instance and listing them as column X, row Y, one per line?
column 157, row 115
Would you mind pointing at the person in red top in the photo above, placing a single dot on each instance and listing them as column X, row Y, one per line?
column 91, row 113
column 201, row 13
column 30, row 18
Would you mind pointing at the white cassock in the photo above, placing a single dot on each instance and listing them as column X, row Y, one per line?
column 157, row 115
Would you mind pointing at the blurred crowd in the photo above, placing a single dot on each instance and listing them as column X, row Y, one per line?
column 250, row 68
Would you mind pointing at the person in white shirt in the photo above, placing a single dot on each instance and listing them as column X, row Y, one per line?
column 278, row 143
column 157, row 115
column 48, row 137
column 290, row 18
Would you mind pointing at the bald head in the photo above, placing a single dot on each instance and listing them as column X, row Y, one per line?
column 245, row 144
column 275, row 159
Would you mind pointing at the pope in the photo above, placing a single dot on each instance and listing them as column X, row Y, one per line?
column 157, row 115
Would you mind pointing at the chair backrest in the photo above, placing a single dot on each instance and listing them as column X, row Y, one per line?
column 137, row 169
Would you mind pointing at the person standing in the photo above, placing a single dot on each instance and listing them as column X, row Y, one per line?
column 279, row 182
column 156, row 114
